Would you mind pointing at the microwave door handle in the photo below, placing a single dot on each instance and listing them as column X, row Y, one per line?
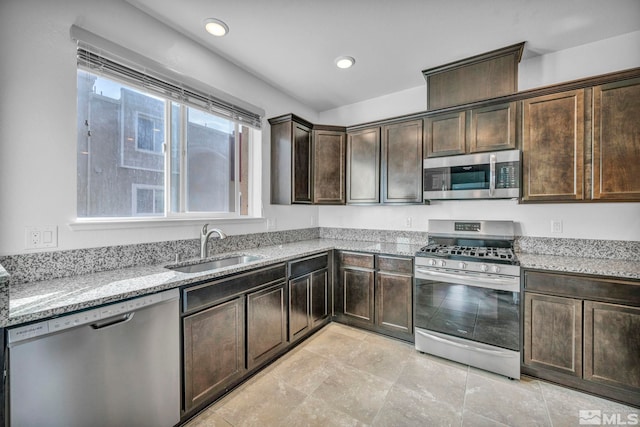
column 492, row 174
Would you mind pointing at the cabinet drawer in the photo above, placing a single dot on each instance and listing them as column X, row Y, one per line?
column 586, row 287
column 395, row 265
column 352, row 259
column 207, row 294
column 307, row 265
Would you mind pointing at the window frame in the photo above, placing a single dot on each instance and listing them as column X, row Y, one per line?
column 254, row 171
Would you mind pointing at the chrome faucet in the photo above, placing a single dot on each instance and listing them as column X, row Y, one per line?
column 204, row 238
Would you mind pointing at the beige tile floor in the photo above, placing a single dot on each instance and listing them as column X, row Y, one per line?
column 344, row 376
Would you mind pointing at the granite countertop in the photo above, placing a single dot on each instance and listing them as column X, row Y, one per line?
column 42, row 299
column 38, row 300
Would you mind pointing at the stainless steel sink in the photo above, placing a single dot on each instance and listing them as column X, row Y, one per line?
column 215, row 264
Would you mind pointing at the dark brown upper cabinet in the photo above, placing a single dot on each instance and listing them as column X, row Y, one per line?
column 486, row 128
column 291, row 164
column 363, row 166
column 616, row 141
column 481, row 77
column 445, row 134
column 492, row 128
column 329, row 167
column 402, row 162
column 307, row 162
column 582, row 145
column 553, row 142
column 384, row 164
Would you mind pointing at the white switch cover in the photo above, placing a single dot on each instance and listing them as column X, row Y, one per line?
column 41, row 237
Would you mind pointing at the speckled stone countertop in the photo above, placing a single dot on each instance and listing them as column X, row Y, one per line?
column 38, row 300
column 628, row 269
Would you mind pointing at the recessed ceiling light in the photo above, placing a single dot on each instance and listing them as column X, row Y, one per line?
column 216, row 27
column 345, row 61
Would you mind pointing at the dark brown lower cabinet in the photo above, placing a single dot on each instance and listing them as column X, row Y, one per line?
column 358, row 294
column 231, row 326
column 376, row 292
column 308, row 295
column 214, row 356
column 553, row 333
column 612, row 345
column 266, row 324
column 319, row 297
column 584, row 332
column 394, row 296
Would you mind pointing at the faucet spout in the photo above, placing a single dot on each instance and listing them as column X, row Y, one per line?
column 204, row 239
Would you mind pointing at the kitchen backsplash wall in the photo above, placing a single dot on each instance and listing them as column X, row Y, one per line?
column 585, row 248
column 51, row 265
column 379, row 236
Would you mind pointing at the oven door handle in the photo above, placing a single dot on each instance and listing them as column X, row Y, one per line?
column 477, row 279
column 466, row 347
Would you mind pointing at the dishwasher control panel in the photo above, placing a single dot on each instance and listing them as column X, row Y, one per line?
column 61, row 323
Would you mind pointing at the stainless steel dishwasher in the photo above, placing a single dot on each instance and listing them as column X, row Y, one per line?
column 115, row 365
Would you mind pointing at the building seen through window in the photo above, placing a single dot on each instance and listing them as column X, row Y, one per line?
column 137, row 150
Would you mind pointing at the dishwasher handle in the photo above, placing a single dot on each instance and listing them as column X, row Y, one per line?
column 113, row 322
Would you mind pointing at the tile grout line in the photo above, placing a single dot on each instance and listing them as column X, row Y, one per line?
column 546, row 405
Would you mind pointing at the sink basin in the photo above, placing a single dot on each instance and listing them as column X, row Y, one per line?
column 215, row 264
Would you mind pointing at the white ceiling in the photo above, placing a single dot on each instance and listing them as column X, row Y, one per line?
column 292, row 44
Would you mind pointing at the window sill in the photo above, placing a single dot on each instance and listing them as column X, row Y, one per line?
column 130, row 223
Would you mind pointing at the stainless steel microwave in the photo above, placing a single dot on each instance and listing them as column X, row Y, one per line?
column 491, row 175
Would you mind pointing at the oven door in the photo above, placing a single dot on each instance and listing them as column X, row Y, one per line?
column 472, row 319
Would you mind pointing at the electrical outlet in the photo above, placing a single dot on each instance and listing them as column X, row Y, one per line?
column 556, row 226
column 45, row 236
column 407, row 222
column 271, row 224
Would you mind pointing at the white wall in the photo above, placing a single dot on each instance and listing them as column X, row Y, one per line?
column 38, row 115
column 616, row 221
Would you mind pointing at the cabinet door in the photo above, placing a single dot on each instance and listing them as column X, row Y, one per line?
column 213, row 355
column 329, row 149
column 616, row 141
column 394, row 302
column 358, row 297
column 299, row 289
column 612, row 345
column 281, row 162
column 302, row 189
column 492, row 128
column 266, row 324
column 553, row 333
column 444, row 134
column 363, row 166
column 553, row 147
column 402, row 162
column 319, row 297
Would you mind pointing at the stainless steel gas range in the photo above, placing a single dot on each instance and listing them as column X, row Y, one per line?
column 467, row 295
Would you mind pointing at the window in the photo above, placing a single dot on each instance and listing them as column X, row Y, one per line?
column 147, row 200
column 149, row 148
column 150, row 133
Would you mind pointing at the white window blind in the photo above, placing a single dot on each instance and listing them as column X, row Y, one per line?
column 134, row 70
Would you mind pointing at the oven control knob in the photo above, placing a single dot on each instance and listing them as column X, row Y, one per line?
column 484, row 267
column 432, row 262
column 462, row 265
column 442, row 263
column 495, row 269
